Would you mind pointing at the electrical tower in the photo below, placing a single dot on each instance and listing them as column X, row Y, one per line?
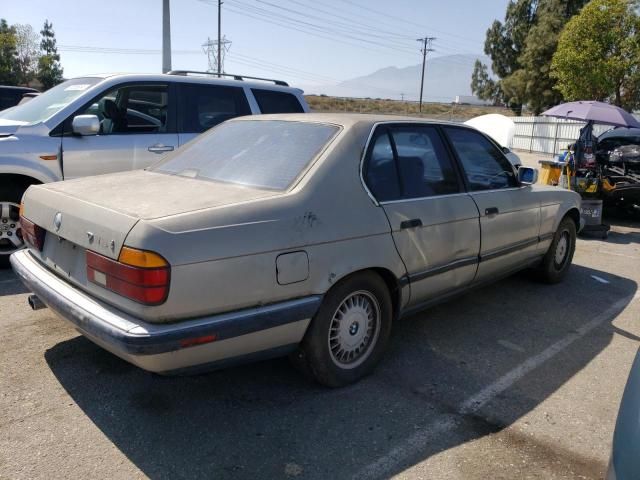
column 216, row 50
column 426, row 47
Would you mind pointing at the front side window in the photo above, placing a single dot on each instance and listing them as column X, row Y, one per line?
column 50, row 102
column 485, row 167
column 271, row 101
column 262, row 154
column 131, row 109
column 205, row 106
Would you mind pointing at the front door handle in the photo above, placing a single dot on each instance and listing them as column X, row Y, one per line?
column 413, row 223
column 160, row 148
column 491, row 211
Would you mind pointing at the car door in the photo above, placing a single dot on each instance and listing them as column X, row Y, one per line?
column 509, row 212
column 434, row 223
column 203, row 106
column 137, row 128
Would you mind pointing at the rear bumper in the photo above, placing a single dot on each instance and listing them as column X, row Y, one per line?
column 251, row 333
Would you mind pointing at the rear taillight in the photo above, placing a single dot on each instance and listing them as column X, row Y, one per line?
column 32, row 233
column 137, row 274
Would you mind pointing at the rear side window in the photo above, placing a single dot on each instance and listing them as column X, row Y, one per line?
column 485, row 167
column 381, row 172
column 262, row 154
column 205, row 106
column 9, row 98
column 424, row 164
column 271, row 101
column 409, row 162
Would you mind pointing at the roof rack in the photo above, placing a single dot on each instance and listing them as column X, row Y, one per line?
column 235, row 77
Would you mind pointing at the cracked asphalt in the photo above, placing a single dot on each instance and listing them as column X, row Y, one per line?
column 515, row 380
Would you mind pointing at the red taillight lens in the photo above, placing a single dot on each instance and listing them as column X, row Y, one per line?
column 32, row 233
column 149, row 286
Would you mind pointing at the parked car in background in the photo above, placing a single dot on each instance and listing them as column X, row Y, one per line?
column 625, row 454
column 620, row 147
column 300, row 234
column 108, row 123
column 501, row 129
column 28, row 96
column 12, row 96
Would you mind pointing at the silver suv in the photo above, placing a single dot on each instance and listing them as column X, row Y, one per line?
column 107, row 123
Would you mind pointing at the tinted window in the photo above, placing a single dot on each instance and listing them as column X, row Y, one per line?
column 205, row 106
column 9, row 98
column 485, row 167
column 424, row 165
column 262, row 154
column 271, row 101
column 381, row 175
column 132, row 109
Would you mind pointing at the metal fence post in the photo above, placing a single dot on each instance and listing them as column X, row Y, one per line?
column 533, row 132
column 555, row 137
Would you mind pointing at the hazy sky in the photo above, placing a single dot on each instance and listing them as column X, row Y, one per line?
column 363, row 35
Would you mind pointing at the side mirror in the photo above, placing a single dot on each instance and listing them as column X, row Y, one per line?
column 85, row 125
column 527, row 175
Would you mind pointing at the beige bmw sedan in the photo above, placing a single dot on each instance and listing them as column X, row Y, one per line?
column 304, row 235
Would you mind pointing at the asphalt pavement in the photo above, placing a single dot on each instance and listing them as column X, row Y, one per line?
column 514, row 380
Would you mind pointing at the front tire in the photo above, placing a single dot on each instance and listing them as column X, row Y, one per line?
column 557, row 260
column 10, row 231
column 349, row 333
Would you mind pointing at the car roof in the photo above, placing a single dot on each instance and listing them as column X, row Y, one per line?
column 620, row 132
column 346, row 119
column 198, row 79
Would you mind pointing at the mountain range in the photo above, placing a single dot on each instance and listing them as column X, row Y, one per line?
column 445, row 78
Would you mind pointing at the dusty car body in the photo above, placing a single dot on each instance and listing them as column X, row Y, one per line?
column 298, row 236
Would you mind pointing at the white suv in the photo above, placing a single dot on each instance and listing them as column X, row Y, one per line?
column 107, row 123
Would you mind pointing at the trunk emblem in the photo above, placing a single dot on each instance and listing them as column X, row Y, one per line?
column 57, row 221
column 90, row 237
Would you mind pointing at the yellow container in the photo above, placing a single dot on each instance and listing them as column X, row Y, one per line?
column 550, row 172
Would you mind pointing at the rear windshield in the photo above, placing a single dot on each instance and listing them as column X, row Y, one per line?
column 266, row 154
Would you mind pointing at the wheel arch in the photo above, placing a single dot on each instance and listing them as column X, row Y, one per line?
column 574, row 214
column 19, row 179
column 390, row 280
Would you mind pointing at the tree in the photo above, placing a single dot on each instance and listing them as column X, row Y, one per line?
column 522, row 47
column 49, row 69
column 483, row 86
column 8, row 74
column 598, row 55
column 26, row 53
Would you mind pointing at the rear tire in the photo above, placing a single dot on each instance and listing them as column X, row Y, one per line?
column 557, row 260
column 349, row 333
column 10, row 231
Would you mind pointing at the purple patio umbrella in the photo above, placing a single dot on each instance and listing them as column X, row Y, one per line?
column 596, row 112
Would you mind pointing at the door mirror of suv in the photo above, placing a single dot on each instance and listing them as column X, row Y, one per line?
column 85, row 125
column 527, row 176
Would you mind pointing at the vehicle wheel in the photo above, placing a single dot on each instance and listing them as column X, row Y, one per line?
column 349, row 333
column 557, row 260
column 10, row 231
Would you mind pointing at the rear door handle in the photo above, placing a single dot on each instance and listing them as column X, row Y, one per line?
column 491, row 211
column 160, row 148
column 413, row 223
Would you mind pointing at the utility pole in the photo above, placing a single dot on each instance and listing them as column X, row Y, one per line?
column 402, row 97
column 166, row 36
column 426, row 47
column 219, row 37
